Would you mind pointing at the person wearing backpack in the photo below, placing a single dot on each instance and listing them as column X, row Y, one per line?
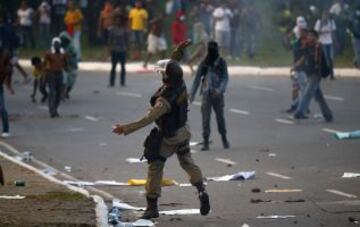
column 213, row 74
column 314, row 61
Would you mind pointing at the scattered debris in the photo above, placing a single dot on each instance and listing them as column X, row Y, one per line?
column 114, row 216
column 234, row 177
column 136, row 160
column 226, row 161
column 91, row 118
column 276, row 216
column 245, row 225
column 125, row 206
column 353, row 220
column 49, row 171
column 12, row 197
column 351, row 175
column 67, row 169
column 260, row 201
column 256, row 190
column 185, row 185
column 180, row 212
column 347, row 135
column 79, row 183
column 272, row 155
column 282, row 190
column 27, row 156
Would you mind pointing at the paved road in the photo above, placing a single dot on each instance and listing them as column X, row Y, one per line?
column 307, row 156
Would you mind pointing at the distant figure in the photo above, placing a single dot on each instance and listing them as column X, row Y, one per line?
column 200, row 42
column 354, row 28
column 326, row 28
column 73, row 20
column 251, row 28
column 222, row 16
column 205, row 15
column 44, row 12
column 117, row 45
column 179, row 29
column 39, row 75
column 25, row 16
column 235, row 34
column 105, row 21
column 156, row 40
column 138, row 17
column 58, row 14
column 213, row 74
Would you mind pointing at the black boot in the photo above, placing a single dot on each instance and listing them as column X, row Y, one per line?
column 204, row 199
column 205, row 145
column 151, row 209
column 225, row 142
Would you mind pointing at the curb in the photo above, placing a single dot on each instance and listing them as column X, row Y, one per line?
column 100, row 208
column 136, row 67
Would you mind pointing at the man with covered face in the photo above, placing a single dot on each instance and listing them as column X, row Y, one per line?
column 213, row 74
column 169, row 110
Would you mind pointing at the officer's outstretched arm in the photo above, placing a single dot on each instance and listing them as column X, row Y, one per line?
column 178, row 52
column 160, row 108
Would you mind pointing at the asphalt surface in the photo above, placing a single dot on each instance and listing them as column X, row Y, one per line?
column 285, row 154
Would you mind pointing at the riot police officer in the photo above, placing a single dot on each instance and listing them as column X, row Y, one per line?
column 169, row 110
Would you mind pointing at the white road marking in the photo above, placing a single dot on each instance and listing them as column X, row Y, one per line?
column 261, row 88
column 196, row 103
column 330, row 130
column 284, row 121
column 242, row 112
column 340, row 193
column 334, row 98
column 130, row 94
column 91, row 118
column 226, row 161
column 278, row 175
column 282, row 190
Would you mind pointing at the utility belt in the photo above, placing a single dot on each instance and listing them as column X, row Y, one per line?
column 152, row 146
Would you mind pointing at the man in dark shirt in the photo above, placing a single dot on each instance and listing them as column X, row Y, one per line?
column 311, row 60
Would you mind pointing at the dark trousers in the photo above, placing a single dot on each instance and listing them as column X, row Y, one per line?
column 217, row 103
column 3, row 112
column 55, row 80
column 117, row 57
column 41, row 84
column 27, row 36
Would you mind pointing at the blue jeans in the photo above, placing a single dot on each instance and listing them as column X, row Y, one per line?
column 329, row 56
column 117, row 56
column 3, row 112
column 313, row 89
column 300, row 80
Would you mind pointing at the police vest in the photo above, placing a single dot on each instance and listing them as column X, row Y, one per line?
column 170, row 122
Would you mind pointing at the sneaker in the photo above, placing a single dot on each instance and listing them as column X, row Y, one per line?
column 204, row 203
column 300, row 117
column 5, row 135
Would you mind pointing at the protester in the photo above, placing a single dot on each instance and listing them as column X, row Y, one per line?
column 179, row 29
column 25, row 16
column 117, row 45
column 337, row 12
column 222, row 16
column 205, row 15
column 56, row 63
column 354, row 28
column 235, row 34
column 213, row 74
column 300, row 25
column 39, row 83
column 44, row 11
column 5, row 79
column 169, row 110
column 105, row 21
column 156, row 40
column 326, row 28
column 250, row 29
column 312, row 59
column 200, row 41
column 138, row 17
column 73, row 20
column 58, row 14
column 69, row 78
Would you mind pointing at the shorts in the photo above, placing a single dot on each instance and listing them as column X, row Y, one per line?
column 138, row 37
column 156, row 44
column 222, row 38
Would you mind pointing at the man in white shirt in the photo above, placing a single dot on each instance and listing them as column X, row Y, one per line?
column 222, row 16
column 326, row 28
column 25, row 17
column 44, row 11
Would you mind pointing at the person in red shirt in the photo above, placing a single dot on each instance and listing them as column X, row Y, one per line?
column 179, row 28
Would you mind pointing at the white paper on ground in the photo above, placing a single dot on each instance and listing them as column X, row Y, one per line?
column 351, row 175
column 135, row 160
column 79, row 183
column 49, row 171
column 180, row 212
column 125, row 206
column 245, row 225
column 234, row 177
column 276, row 217
column 143, row 223
column 12, row 197
column 110, row 183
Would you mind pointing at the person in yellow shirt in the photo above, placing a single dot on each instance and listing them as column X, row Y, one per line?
column 138, row 22
column 73, row 19
column 39, row 79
